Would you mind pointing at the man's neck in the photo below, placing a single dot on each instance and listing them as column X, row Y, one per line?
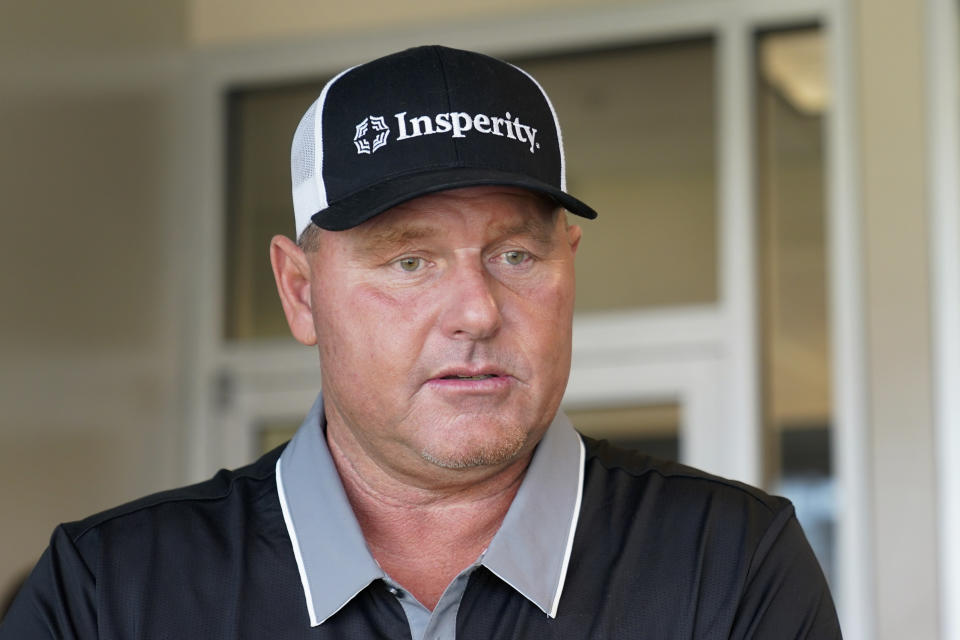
column 424, row 536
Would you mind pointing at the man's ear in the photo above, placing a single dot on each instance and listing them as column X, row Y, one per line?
column 291, row 270
column 574, row 233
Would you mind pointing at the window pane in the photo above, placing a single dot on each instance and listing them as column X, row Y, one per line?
column 273, row 433
column 791, row 100
column 638, row 126
column 259, row 205
column 652, row 429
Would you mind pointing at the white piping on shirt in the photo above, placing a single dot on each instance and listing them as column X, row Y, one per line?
column 573, row 529
column 292, row 532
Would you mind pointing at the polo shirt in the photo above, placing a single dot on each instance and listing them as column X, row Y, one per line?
column 530, row 551
column 659, row 550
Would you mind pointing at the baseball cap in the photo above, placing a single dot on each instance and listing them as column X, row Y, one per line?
column 419, row 121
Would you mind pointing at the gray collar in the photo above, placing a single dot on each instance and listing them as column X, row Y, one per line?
column 530, row 552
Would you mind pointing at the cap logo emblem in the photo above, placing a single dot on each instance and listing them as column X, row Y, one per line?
column 371, row 134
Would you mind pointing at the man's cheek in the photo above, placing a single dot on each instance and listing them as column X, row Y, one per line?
column 551, row 295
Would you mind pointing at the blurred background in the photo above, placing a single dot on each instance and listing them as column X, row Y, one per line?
column 771, row 292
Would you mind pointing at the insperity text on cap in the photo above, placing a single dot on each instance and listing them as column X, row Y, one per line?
column 419, row 121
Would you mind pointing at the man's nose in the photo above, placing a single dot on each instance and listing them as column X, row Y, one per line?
column 472, row 311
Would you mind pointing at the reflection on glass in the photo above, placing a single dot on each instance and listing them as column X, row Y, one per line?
column 638, row 126
column 791, row 99
column 652, row 429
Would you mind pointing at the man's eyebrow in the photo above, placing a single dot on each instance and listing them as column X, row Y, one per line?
column 395, row 235
column 392, row 236
column 536, row 227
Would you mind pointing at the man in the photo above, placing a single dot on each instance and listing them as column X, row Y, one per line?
column 434, row 491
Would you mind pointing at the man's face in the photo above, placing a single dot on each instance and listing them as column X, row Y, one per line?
column 444, row 328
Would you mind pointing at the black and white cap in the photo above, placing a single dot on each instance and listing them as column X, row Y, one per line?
column 419, row 121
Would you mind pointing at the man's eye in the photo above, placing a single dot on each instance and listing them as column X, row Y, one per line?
column 515, row 257
column 411, row 263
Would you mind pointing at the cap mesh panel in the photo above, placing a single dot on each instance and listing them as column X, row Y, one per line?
column 303, row 153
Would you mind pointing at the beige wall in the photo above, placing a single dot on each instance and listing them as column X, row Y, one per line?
column 53, row 29
column 89, row 317
column 217, row 22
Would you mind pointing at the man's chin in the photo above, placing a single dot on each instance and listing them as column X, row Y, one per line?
column 473, row 454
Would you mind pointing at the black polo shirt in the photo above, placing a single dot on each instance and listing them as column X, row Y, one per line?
column 660, row 551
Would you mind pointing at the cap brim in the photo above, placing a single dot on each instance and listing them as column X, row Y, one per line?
column 355, row 209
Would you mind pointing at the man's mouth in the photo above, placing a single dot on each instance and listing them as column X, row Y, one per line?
column 477, row 380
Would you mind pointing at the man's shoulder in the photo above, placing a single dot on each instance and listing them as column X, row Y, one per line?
column 233, row 489
column 212, row 556
column 680, row 552
column 631, row 474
